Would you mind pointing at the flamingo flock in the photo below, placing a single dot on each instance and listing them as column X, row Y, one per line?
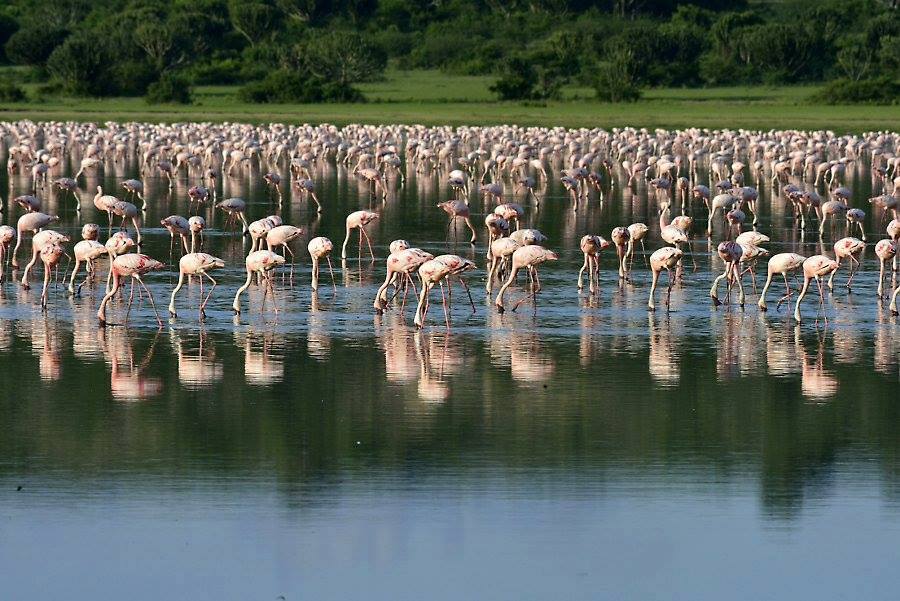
column 498, row 174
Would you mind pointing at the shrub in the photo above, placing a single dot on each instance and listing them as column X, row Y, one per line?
column 171, row 87
column 876, row 90
column 517, row 81
column 10, row 92
column 616, row 80
column 81, row 64
column 285, row 86
column 220, row 72
column 33, row 45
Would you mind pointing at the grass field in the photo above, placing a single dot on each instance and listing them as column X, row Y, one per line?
column 430, row 97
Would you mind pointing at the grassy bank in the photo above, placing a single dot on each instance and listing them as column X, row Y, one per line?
column 430, row 97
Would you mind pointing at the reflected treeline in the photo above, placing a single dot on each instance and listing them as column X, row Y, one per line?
column 758, row 397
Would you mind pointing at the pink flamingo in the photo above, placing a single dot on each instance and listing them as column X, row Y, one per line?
column 7, row 235
column 431, row 272
column 783, row 263
column 730, row 253
column 846, row 248
column 815, row 267
column 40, row 240
column 400, row 266
column 501, row 251
column 621, row 238
column 885, row 250
column 197, row 224
column 177, row 226
column 259, row 262
column 320, row 248
column 50, row 256
column 29, row 222
column 198, row 264
column 528, row 257
column 667, row 257
column 132, row 265
column 86, row 251
column 458, row 209
column 591, row 246
column 359, row 220
column 636, row 233
column 235, row 209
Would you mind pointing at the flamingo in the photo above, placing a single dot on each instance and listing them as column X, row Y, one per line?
column 501, row 251
column 234, row 208
column 132, row 265
column 38, row 242
column 636, row 233
column 591, row 246
column 815, row 267
column 885, row 250
column 666, row 258
column 126, row 210
column 282, row 236
column 86, row 251
column 510, row 211
column 198, row 264
column 528, row 257
column 135, row 187
column 400, row 265
column 7, row 235
column 846, row 248
column 458, row 209
column 30, row 222
column 359, row 220
column 320, row 248
column 67, row 185
column 430, row 273
column 197, row 224
column 105, row 203
column 857, row 216
column 259, row 262
column 730, row 253
column 198, row 194
column 621, row 238
column 50, row 255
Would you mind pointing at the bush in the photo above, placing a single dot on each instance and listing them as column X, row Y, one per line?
column 10, row 92
column 876, row 90
column 170, row 88
column 284, row 86
column 517, row 80
column 217, row 73
column 81, row 64
column 616, row 80
column 33, row 45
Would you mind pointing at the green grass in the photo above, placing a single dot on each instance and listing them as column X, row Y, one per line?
column 430, row 97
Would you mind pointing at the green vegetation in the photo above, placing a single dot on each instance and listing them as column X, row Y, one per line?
column 315, row 51
column 431, row 97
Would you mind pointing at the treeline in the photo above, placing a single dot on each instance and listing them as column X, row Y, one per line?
column 317, row 50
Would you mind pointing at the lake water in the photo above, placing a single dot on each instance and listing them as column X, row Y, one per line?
column 582, row 450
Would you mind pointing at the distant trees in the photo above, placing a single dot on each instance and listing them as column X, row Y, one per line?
column 318, row 50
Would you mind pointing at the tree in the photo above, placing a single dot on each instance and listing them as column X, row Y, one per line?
column 343, row 57
column 80, row 64
column 33, row 45
column 517, row 81
column 855, row 57
column 253, row 20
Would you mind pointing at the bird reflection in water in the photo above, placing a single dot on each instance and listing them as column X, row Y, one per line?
column 262, row 366
column 737, row 351
column 318, row 339
column 530, row 363
column 87, row 338
column 817, row 383
column 887, row 352
column 401, row 355
column 440, row 356
column 45, row 343
column 128, row 379
column 198, row 366
column 663, row 358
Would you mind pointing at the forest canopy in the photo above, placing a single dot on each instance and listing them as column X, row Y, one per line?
column 318, row 50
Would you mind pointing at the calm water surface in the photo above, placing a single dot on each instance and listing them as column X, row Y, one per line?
column 586, row 450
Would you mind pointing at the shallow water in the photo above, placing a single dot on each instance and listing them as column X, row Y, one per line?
column 582, row 449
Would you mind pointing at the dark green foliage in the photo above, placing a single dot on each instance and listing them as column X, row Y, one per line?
column 170, row 88
column 285, row 86
column 34, row 44
column 534, row 47
column 876, row 90
column 11, row 93
column 82, row 64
